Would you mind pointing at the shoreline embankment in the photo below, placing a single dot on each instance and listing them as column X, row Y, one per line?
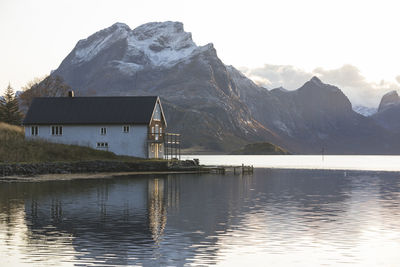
column 97, row 166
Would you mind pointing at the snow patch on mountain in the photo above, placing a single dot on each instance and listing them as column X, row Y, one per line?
column 161, row 44
column 365, row 111
column 126, row 67
column 87, row 49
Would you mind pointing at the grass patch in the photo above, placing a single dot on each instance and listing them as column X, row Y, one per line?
column 15, row 148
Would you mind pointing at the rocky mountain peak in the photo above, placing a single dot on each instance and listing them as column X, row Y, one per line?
column 86, row 49
column 316, row 81
column 389, row 99
column 120, row 25
column 315, row 85
column 321, row 96
column 153, row 29
column 163, row 35
column 161, row 44
column 155, row 43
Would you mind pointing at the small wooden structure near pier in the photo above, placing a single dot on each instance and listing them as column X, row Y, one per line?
column 232, row 169
column 172, row 146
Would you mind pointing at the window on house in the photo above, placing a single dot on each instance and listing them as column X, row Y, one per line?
column 126, row 129
column 103, row 130
column 102, row 144
column 152, row 147
column 152, row 130
column 157, row 131
column 56, row 130
column 34, row 130
column 157, row 113
column 160, row 148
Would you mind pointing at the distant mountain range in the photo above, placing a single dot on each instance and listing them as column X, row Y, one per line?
column 366, row 111
column 215, row 106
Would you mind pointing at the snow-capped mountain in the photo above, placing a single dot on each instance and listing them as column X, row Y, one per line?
column 121, row 53
column 213, row 105
column 365, row 111
column 153, row 44
column 162, row 59
column 157, row 44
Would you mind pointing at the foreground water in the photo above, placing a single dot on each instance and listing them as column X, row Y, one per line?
column 272, row 218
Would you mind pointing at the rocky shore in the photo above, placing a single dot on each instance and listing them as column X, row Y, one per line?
column 33, row 169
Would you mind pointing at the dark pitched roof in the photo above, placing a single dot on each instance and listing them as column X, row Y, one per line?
column 91, row 110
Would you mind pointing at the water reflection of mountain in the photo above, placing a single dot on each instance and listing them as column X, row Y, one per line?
column 111, row 221
column 177, row 220
column 123, row 221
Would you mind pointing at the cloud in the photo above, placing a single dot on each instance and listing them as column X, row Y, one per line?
column 355, row 86
column 273, row 76
column 348, row 78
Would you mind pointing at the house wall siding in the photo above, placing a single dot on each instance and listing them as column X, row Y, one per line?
column 133, row 143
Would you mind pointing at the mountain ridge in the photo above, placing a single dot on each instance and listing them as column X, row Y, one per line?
column 213, row 105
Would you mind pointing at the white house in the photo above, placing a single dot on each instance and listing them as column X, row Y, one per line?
column 130, row 125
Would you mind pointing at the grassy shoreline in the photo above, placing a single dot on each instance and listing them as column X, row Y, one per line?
column 14, row 148
column 24, row 157
column 94, row 166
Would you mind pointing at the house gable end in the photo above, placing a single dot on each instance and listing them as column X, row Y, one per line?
column 158, row 114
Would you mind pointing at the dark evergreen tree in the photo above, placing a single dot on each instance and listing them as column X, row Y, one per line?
column 9, row 109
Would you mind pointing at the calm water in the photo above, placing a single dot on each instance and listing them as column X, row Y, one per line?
column 272, row 218
column 342, row 162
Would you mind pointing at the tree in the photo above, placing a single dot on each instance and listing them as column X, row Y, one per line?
column 34, row 82
column 51, row 86
column 9, row 109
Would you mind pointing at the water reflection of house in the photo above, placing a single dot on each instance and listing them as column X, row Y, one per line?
column 156, row 208
column 115, row 217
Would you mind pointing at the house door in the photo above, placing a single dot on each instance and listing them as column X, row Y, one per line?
column 156, row 151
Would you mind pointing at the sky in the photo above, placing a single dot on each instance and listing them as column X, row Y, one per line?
column 276, row 43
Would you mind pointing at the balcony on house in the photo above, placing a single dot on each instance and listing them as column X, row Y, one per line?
column 172, row 146
column 170, row 142
column 156, row 137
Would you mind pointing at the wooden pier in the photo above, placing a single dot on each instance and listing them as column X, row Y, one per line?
column 231, row 169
